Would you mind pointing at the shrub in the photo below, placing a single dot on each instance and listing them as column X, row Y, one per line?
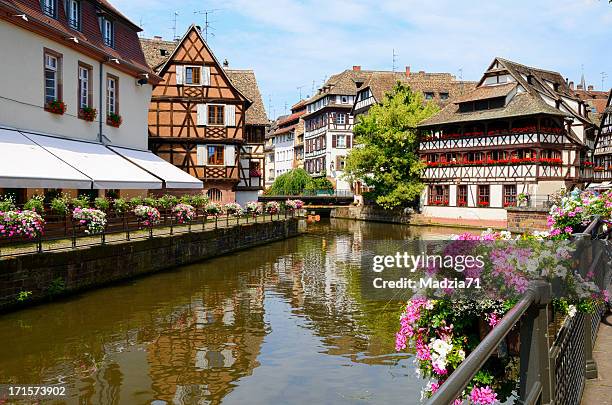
column 59, row 206
column 199, row 200
column 102, row 203
column 80, row 202
column 36, row 204
column 7, row 203
column 120, row 205
column 135, row 202
column 293, row 182
column 150, row 201
column 167, row 201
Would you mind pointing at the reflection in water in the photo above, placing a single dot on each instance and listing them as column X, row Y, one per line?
column 282, row 323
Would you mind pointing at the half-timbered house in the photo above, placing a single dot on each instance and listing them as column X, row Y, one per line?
column 603, row 148
column 518, row 137
column 198, row 115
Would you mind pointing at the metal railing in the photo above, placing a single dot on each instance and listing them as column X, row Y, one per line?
column 62, row 233
column 553, row 365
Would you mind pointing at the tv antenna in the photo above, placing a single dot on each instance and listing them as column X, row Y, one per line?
column 174, row 37
column 300, row 90
column 313, row 87
column 394, row 59
column 207, row 25
column 604, row 75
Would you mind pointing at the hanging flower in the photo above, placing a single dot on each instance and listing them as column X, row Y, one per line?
column 184, row 213
column 92, row 219
column 294, row 204
column 233, row 208
column 26, row 224
column 148, row 216
column 272, row 207
column 212, row 208
column 253, row 207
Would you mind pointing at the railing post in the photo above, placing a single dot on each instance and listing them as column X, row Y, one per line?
column 535, row 368
column 73, row 236
column 127, row 227
column 39, row 244
column 204, row 219
column 171, row 226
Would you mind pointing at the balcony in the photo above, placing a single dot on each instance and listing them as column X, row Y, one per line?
column 493, row 138
column 487, row 173
column 212, row 173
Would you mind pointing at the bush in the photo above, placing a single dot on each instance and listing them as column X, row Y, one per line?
column 320, row 184
column 150, row 202
column 167, row 201
column 291, row 183
column 199, row 200
column 120, row 205
column 135, row 202
column 59, row 206
column 102, row 203
column 7, row 203
column 80, row 202
column 36, row 204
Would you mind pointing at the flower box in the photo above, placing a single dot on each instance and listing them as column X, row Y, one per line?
column 88, row 114
column 255, row 173
column 56, row 107
column 114, row 120
column 483, row 203
column 461, row 203
column 598, row 168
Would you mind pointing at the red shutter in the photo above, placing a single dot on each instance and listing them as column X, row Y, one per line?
column 334, row 141
column 349, row 141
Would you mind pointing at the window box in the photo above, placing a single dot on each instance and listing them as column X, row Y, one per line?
column 461, row 203
column 114, row 120
column 483, row 203
column 598, row 168
column 56, row 107
column 88, row 114
column 255, row 173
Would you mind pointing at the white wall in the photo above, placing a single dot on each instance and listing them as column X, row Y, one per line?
column 22, row 92
column 243, row 197
column 498, row 214
column 283, row 154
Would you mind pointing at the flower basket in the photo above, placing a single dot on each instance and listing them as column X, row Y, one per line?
column 233, row 209
column 146, row 215
column 88, row 114
column 114, row 120
column 212, row 209
column 483, row 204
column 184, row 213
column 598, row 169
column 24, row 224
column 56, row 107
column 93, row 220
column 293, row 205
column 253, row 208
column 272, row 207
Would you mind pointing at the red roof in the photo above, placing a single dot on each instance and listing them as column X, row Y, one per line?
column 127, row 46
column 291, row 117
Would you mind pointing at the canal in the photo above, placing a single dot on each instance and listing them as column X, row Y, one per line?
column 282, row 323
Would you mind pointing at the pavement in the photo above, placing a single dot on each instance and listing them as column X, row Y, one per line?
column 599, row 391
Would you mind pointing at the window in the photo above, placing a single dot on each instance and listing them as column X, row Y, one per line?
column 340, row 162
column 74, row 14
column 214, row 194
column 112, row 95
column 108, row 31
column 443, row 96
column 341, row 141
column 483, row 196
column 53, row 69
column 193, row 75
column 510, row 195
column 429, row 95
column 344, row 100
column 215, row 115
column 84, row 79
column 215, row 155
column 340, row 119
column 462, row 195
column 50, row 8
column 438, row 195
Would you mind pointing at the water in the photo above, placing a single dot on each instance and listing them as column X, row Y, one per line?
column 282, row 323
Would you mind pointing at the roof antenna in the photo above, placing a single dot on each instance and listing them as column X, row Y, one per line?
column 300, row 90
column 394, row 59
column 604, row 75
column 207, row 25
column 270, row 104
column 174, row 38
column 313, row 88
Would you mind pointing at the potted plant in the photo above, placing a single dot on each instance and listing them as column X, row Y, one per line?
column 146, row 215
column 88, row 113
column 483, row 203
column 233, row 209
column 114, row 120
column 184, row 213
column 56, row 107
column 523, row 199
column 92, row 219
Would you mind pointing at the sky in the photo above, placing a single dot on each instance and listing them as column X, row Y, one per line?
column 294, row 45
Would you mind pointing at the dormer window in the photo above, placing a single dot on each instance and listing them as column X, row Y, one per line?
column 108, row 31
column 163, row 52
column 429, row 95
column 73, row 9
column 50, row 8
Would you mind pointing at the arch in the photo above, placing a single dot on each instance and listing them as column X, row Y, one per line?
column 214, row 194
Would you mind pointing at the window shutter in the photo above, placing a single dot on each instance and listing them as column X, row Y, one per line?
column 202, row 115
column 338, row 162
column 349, row 141
column 180, row 75
column 230, row 115
column 205, row 76
column 334, row 141
column 201, row 155
column 230, row 155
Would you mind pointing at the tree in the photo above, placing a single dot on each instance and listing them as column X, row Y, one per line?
column 385, row 155
column 291, row 183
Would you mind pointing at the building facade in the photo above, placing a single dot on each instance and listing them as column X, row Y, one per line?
column 518, row 137
column 603, row 148
column 287, row 140
column 77, row 85
column 198, row 117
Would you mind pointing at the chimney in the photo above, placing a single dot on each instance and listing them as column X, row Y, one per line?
column 225, row 63
column 579, row 87
column 590, row 88
column 157, row 38
column 571, row 85
column 356, row 68
column 407, row 71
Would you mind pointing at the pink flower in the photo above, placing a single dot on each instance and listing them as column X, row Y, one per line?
column 483, row 396
column 555, row 232
column 400, row 341
column 492, row 319
column 606, row 295
column 568, row 229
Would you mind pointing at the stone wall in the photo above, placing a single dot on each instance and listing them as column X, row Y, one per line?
column 522, row 220
column 63, row 272
column 371, row 213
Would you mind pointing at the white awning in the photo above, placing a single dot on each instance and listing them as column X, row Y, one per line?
column 172, row 176
column 107, row 169
column 24, row 164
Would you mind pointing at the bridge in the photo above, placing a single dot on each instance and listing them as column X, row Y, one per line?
column 555, row 368
column 320, row 202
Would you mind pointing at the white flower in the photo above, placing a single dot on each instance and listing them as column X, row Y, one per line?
column 461, row 354
column 440, row 347
column 505, row 235
column 561, row 271
column 571, row 311
column 439, row 363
